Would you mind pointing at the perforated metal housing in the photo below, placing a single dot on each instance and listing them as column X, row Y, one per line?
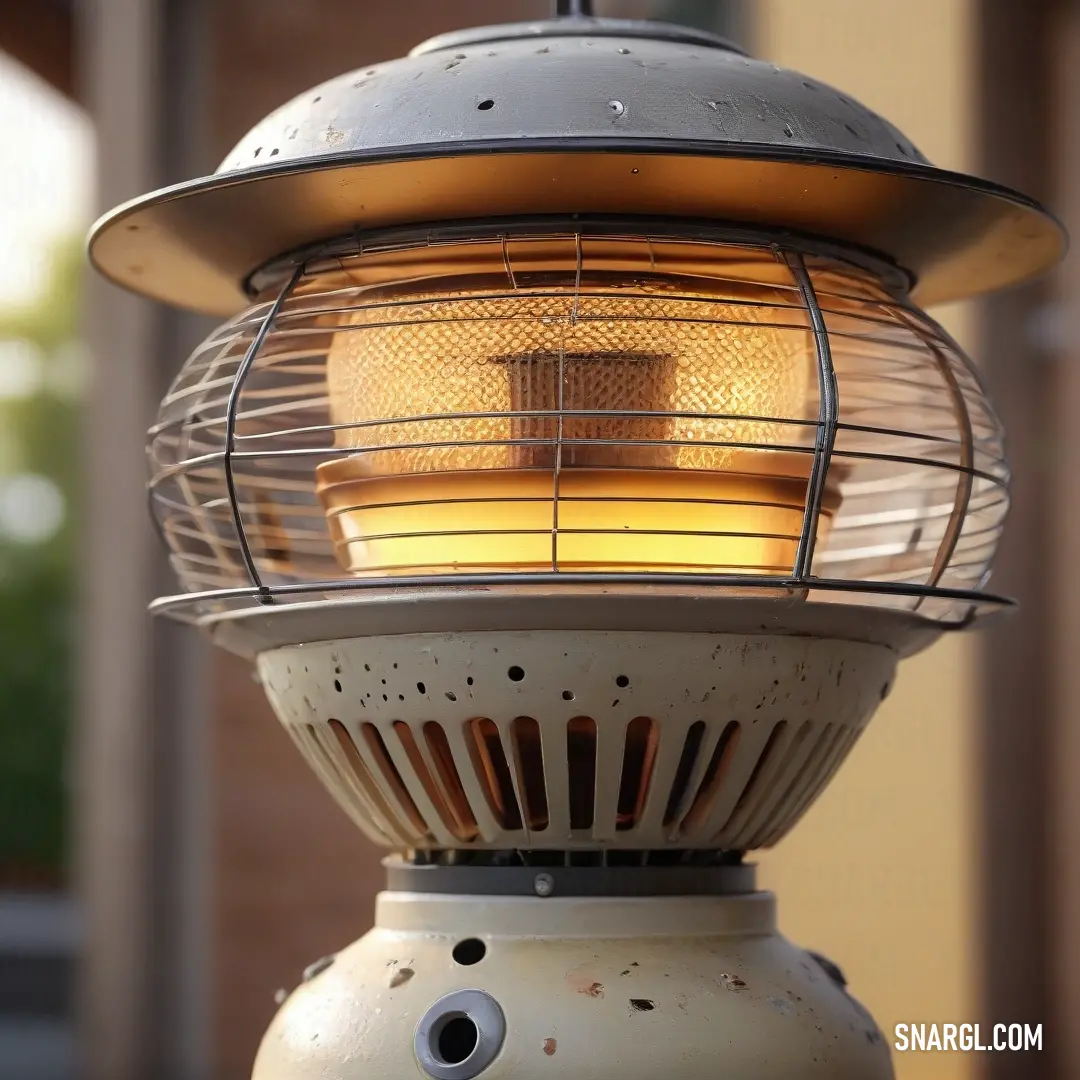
column 574, row 740
column 628, row 403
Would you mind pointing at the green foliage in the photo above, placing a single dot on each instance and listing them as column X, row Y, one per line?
column 40, row 433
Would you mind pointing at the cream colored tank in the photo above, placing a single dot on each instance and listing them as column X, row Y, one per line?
column 633, row 988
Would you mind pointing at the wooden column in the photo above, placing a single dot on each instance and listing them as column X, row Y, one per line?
column 1064, row 342
column 138, row 756
column 1021, row 703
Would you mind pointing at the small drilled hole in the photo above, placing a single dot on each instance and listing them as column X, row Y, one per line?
column 469, row 681
column 457, row 1040
column 421, row 687
column 485, row 105
column 451, row 696
column 622, row 680
column 470, row 951
column 515, row 674
column 337, row 685
column 568, row 695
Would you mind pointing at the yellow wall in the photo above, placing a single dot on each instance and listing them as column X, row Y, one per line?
column 880, row 874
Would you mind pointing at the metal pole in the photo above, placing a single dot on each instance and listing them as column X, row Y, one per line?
column 578, row 8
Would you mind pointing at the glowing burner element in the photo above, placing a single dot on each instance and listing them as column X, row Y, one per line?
column 747, row 520
column 605, row 405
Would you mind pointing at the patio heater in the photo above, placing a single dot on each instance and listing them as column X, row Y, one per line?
column 575, row 464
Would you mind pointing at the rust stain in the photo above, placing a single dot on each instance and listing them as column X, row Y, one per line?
column 549, row 1047
column 403, row 975
column 593, row 990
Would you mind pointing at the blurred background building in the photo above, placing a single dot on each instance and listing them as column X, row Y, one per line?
column 166, row 862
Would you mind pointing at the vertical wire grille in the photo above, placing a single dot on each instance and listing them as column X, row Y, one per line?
column 714, row 741
column 581, row 402
column 745, row 797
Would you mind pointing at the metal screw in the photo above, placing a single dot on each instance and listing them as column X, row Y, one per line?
column 617, row 107
column 543, row 884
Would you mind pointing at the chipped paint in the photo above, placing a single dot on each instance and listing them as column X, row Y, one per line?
column 782, row 1006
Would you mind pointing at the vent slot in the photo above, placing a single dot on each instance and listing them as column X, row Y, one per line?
column 493, row 771
column 581, row 770
column 374, row 740
column 815, row 762
column 463, row 829
column 382, row 827
column 740, row 829
column 691, row 746
column 713, row 778
column 529, row 758
column 639, row 757
column 443, row 758
column 759, row 774
column 361, row 776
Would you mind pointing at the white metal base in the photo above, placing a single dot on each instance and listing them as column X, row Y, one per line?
column 573, row 739
column 677, row 988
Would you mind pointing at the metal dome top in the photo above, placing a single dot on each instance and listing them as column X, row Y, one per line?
column 572, row 115
column 570, row 84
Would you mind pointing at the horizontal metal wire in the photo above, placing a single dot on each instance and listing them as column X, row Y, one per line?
column 464, row 444
column 734, row 582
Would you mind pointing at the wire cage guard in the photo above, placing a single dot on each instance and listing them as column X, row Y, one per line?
column 624, row 402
